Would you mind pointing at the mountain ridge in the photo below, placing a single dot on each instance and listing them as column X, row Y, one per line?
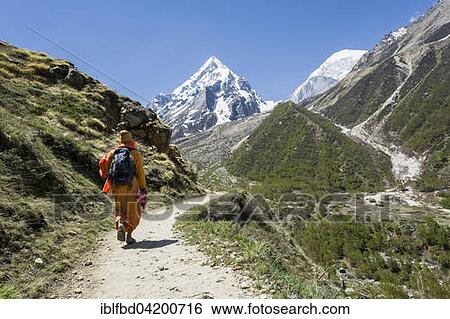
column 211, row 96
column 328, row 74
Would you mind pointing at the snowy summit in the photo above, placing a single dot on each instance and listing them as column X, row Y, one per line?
column 211, row 96
column 333, row 70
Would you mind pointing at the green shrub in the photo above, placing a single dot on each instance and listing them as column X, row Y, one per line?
column 8, row 292
column 430, row 181
column 445, row 201
column 393, row 291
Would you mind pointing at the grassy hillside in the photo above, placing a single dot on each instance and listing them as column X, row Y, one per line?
column 291, row 255
column 368, row 94
column 55, row 123
column 296, row 149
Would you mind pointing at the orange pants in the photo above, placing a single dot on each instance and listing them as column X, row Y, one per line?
column 127, row 209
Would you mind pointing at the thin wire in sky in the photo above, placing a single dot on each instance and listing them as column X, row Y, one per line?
column 86, row 62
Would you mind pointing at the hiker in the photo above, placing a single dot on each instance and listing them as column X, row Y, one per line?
column 125, row 181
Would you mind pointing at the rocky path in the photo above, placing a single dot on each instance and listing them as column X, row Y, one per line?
column 159, row 265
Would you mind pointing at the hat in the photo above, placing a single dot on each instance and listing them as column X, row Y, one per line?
column 125, row 136
column 126, row 139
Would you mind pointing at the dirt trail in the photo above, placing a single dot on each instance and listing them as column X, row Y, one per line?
column 159, row 265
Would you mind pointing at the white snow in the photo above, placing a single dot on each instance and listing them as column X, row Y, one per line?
column 333, row 70
column 210, row 72
column 222, row 111
column 339, row 64
column 394, row 36
column 399, row 33
column 403, row 166
column 213, row 89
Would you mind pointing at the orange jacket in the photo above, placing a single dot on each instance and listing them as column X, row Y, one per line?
column 105, row 163
column 103, row 171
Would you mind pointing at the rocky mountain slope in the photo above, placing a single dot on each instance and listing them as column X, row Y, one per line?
column 294, row 149
column 213, row 145
column 55, row 123
column 211, row 96
column 333, row 70
column 397, row 99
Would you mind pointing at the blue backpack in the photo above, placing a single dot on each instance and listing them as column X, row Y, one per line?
column 122, row 170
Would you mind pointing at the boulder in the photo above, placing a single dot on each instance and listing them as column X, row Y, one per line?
column 151, row 114
column 76, row 79
column 69, row 75
column 145, row 125
column 134, row 114
column 159, row 135
column 60, row 71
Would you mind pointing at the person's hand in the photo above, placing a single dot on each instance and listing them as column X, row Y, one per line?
column 142, row 200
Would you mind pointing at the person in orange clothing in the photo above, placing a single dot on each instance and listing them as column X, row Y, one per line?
column 125, row 181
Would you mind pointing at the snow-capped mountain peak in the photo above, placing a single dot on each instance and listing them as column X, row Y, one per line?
column 212, row 63
column 211, row 96
column 339, row 64
column 333, row 70
column 210, row 72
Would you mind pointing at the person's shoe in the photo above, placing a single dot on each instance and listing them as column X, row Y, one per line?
column 121, row 232
column 130, row 240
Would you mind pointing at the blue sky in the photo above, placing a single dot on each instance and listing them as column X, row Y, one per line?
column 153, row 46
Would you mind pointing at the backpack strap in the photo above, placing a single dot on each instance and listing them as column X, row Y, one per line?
column 133, row 168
